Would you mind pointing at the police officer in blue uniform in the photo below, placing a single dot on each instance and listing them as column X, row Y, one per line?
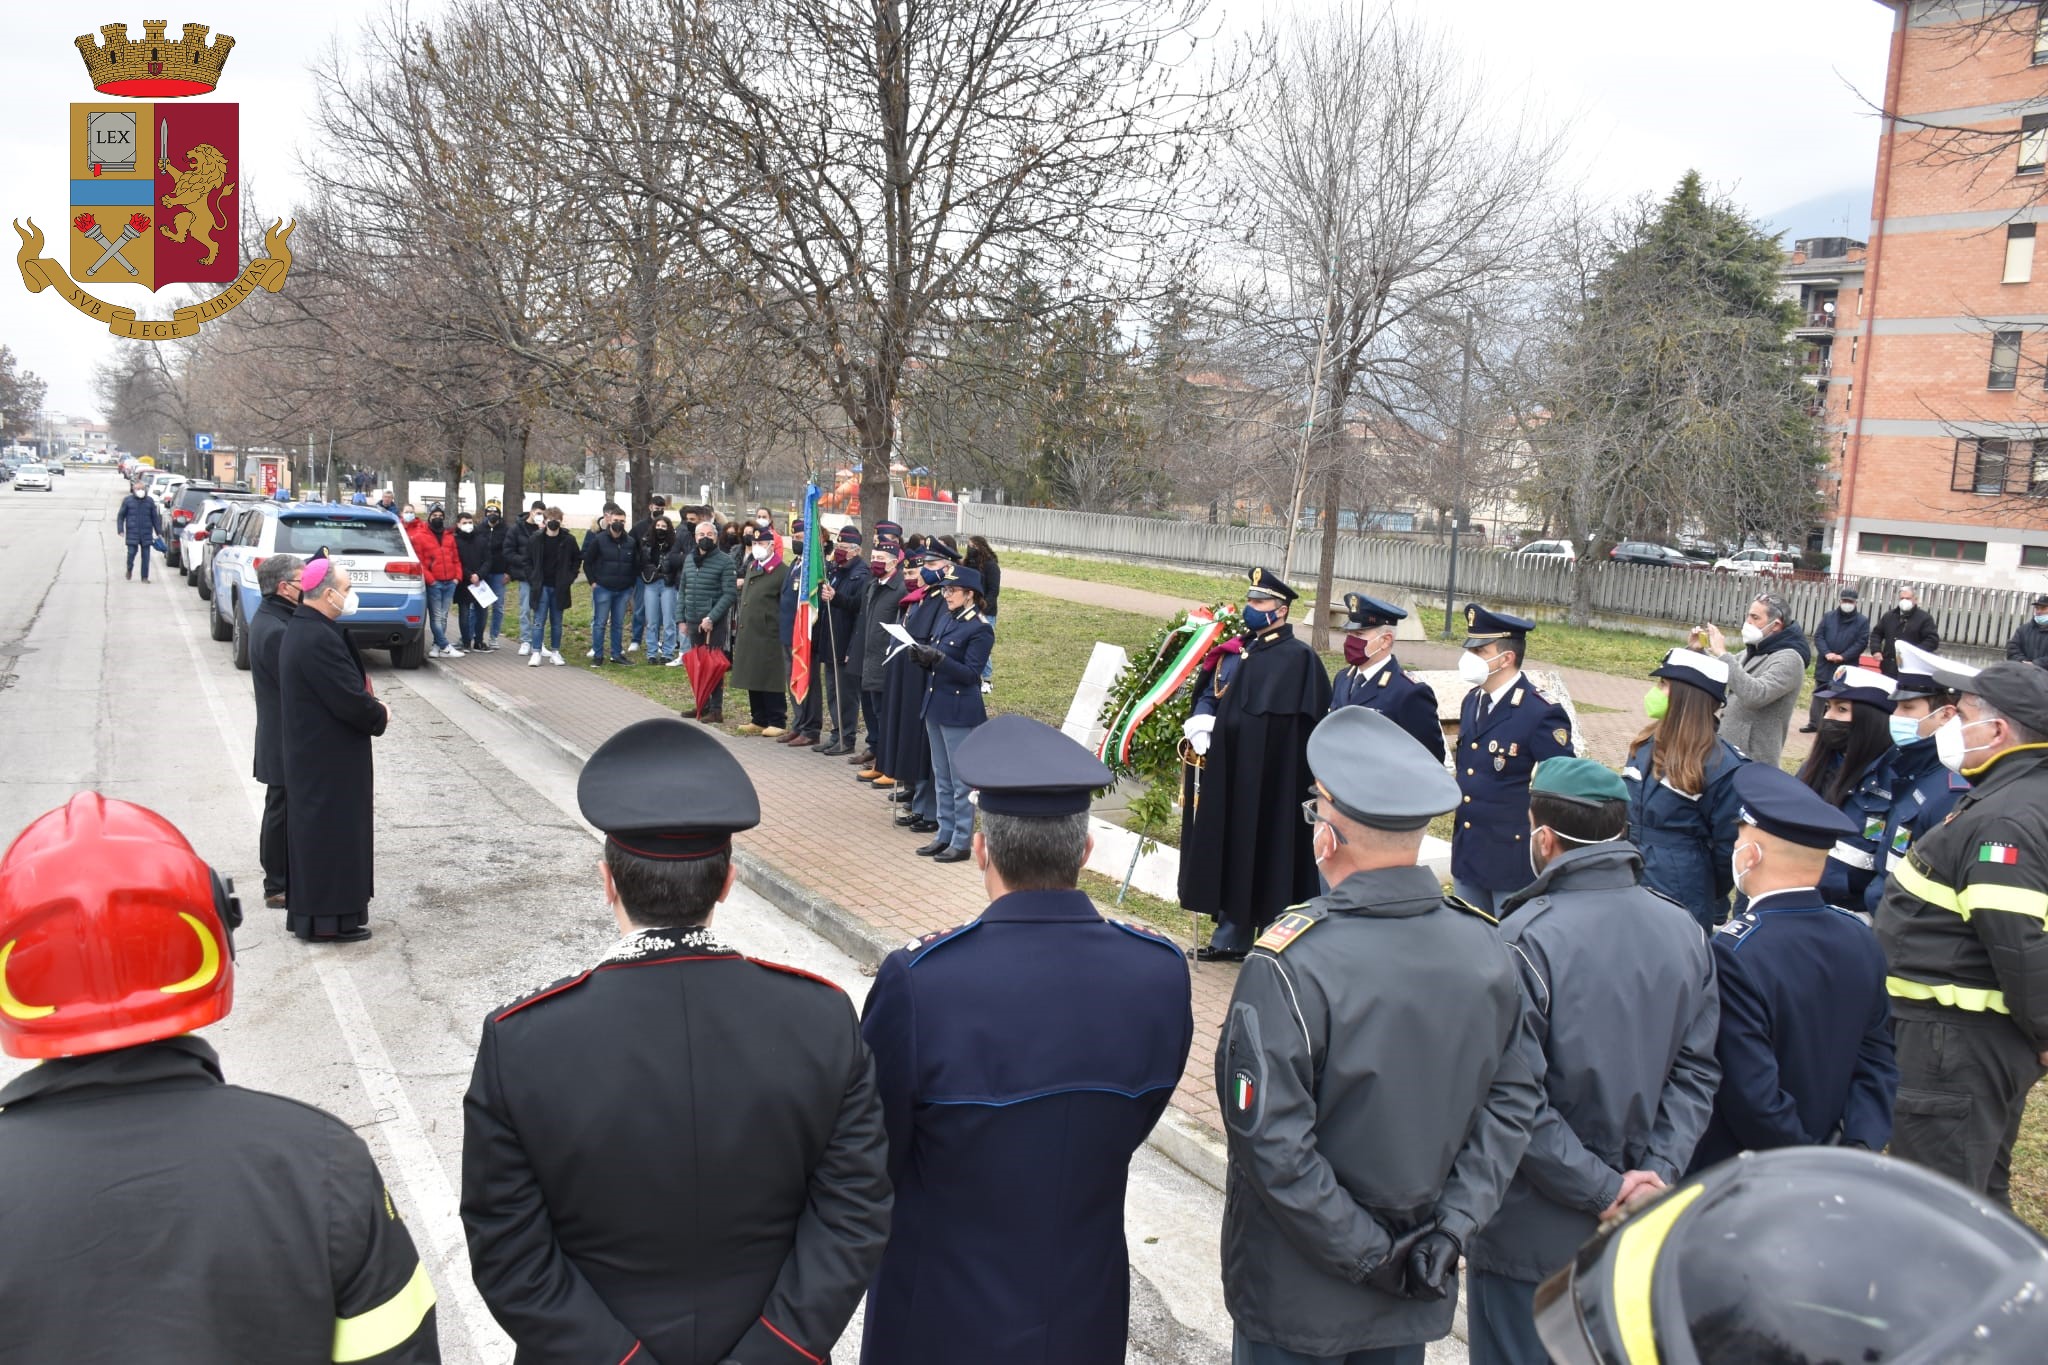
column 1373, row 677
column 953, row 661
column 1505, row 728
column 1922, row 791
column 1853, row 863
column 1806, row 1040
column 1022, row 1059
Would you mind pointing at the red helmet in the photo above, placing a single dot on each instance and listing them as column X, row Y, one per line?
column 113, row 932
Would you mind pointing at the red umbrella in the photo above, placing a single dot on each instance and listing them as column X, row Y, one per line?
column 706, row 668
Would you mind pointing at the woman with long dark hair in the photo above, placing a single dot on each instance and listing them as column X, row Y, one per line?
column 952, row 706
column 1681, row 792
column 983, row 560
column 1851, row 767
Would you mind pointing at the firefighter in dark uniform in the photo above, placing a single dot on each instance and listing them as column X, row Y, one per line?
column 1373, row 677
column 1022, row 1059
column 1505, row 728
column 679, row 1152
column 1373, row 1075
column 154, row 1213
column 1805, row 1041
column 1787, row 1256
column 1243, row 855
column 1964, row 926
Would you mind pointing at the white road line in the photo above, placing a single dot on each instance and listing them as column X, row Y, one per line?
column 437, row 1212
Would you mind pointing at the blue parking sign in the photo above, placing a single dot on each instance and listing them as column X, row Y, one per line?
column 203, row 442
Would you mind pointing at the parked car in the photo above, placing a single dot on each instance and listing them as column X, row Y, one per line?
column 6, row 471
column 1644, row 552
column 366, row 541
column 32, row 476
column 182, row 508
column 1759, row 561
column 1549, row 549
column 54, row 466
column 196, row 536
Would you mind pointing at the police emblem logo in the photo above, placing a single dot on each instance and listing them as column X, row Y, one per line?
column 153, row 185
column 1561, row 735
column 1284, row 931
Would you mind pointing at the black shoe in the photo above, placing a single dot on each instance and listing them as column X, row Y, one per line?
column 834, row 750
column 906, row 819
column 354, row 936
column 924, row 825
column 274, row 902
column 900, row 796
column 932, row 849
column 1207, row 954
column 1807, row 729
column 952, row 855
column 861, row 759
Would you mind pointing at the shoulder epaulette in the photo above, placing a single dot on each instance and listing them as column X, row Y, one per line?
column 918, row 947
column 1291, row 925
column 1148, row 933
column 534, row 997
column 1735, row 927
column 1468, row 907
column 796, row 971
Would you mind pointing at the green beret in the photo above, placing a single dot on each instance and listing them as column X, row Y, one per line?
column 1579, row 779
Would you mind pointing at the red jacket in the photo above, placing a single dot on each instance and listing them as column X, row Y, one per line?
column 438, row 556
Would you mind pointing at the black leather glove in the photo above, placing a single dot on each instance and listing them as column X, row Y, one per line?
column 1390, row 1275
column 1432, row 1261
column 925, row 656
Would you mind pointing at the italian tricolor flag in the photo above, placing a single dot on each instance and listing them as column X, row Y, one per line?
column 1241, row 1094
column 807, row 599
column 1998, row 853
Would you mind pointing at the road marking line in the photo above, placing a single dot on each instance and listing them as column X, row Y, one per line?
column 419, row 1171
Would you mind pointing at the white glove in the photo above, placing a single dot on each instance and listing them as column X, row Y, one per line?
column 1195, row 729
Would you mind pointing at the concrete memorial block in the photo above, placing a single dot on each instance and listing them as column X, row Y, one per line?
column 1450, row 692
column 1084, row 717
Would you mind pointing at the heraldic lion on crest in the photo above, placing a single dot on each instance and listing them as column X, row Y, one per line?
column 196, row 217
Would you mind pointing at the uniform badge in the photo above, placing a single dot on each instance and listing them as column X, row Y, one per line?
column 1900, row 838
column 1735, row 928
column 1500, row 763
column 1873, row 828
column 1284, row 931
column 1998, row 853
column 1562, row 736
column 1515, row 749
column 1493, row 746
column 1243, row 1093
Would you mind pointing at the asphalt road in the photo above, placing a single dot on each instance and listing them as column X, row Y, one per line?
column 487, row 888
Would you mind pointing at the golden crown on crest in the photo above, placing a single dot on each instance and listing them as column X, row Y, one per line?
column 154, row 66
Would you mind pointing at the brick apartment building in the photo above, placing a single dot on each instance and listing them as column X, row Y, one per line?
column 1940, row 325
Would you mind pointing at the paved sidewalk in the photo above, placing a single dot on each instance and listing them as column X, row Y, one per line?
column 820, row 830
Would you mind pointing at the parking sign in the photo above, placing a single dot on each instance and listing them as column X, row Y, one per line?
column 203, row 442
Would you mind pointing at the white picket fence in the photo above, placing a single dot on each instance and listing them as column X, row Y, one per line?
column 1968, row 617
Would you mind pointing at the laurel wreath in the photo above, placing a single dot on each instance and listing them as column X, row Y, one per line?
column 1153, row 757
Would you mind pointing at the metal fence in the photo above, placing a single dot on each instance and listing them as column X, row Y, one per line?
column 1968, row 617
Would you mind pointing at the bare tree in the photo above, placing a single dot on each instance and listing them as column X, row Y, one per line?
column 1383, row 188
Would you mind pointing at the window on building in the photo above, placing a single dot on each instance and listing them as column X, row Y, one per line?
column 1921, row 547
column 2033, row 143
column 2040, row 34
column 1986, row 464
column 2034, row 556
column 2019, row 253
column 2005, row 360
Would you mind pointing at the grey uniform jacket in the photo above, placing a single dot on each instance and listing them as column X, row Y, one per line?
column 1371, row 1079
column 1621, row 1012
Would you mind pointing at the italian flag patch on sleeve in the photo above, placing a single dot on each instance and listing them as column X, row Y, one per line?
column 1998, row 853
column 1242, row 1093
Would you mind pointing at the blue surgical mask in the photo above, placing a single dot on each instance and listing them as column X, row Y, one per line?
column 2041, row 618
column 1905, row 730
column 930, row 576
column 1257, row 619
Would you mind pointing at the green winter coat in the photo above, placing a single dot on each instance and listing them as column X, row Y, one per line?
column 701, row 589
column 757, row 649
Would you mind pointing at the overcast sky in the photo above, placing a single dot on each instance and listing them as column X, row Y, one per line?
column 1761, row 96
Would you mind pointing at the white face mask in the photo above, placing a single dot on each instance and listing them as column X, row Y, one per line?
column 1848, row 608
column 761, row 554
column 1950, row 746
column 465, row 526
column 1473, row 669
column 1751, row 633
column 351, row 603
column 1738, row 870
column 1905, row 606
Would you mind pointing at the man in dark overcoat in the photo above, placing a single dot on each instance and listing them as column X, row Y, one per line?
column 1244, row 851
column 278, row 578
column 330, row 716
column 1010, row 1162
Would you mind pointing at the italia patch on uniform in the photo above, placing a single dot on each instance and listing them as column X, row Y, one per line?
column 1242, row 1092
column 1998, row 853
column 1284, row 931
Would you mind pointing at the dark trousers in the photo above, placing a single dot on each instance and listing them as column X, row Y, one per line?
column 842, row 704
column 871, row 708
column 145, row 548
column 769, row 708
column 1244, row 1351
column 270, row 844
column 1962, row 1088
column 1500, row 1320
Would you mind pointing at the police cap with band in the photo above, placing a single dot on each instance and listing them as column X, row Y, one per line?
column 1020, row 766
column 1916, row 673
column 960, row 576
column 1689, row 666
column 938, row 549
column 1779, row 804
column 1856, row 683
column 1369, row 613
column 665, row 790
column 1483, row 627
column 1266, row 583
column 1377, row 773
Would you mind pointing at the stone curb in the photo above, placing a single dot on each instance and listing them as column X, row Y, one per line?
column 1177, row 1137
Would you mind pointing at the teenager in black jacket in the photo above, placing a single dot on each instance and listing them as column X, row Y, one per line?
column 552, row 562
